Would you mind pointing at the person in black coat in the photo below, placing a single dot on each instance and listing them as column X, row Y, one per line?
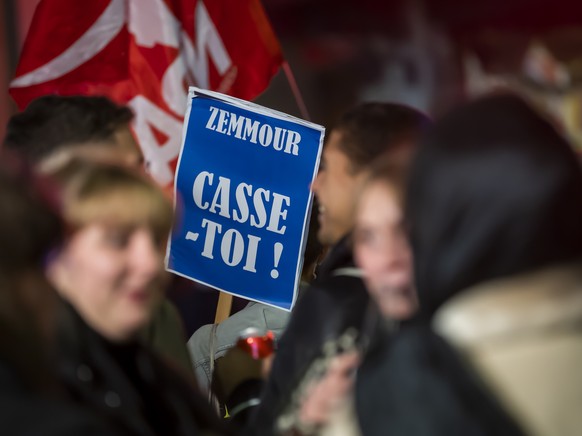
column 109, row 273
column 336, row 304
column 410, row 381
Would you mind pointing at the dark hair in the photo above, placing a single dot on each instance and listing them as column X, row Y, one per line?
column 372, row 129
column 29, row 222
column 29, row 229
column 313, row 248
column 394, row 174
column 52, row 121
column 495, row 191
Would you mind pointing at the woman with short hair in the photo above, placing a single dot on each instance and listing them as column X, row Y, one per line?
column 110, row 272
column 31, row 399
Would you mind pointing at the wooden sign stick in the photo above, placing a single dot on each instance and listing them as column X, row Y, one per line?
column 223, row 307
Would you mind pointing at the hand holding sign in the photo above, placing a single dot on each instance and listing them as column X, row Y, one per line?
column 243, row 179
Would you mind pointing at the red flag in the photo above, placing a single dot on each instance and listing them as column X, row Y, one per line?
column 144, row 53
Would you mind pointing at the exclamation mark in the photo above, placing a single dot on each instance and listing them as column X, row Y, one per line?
column 278, row 251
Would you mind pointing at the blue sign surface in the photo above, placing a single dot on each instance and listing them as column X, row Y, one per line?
column 243, row 198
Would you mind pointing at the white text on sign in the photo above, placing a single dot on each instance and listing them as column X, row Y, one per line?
column 233, row 248
column 261, row 199
column 246, row 129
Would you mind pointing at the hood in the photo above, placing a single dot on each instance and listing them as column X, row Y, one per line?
column 494, row 191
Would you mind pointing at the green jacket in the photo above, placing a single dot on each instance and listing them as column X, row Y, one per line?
column 165, row 335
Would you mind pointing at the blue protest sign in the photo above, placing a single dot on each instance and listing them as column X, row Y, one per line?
column 243, row 198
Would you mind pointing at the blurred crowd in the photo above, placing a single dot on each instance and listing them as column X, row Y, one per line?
column 441, row 292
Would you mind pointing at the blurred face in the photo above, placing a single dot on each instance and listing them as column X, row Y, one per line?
column 111, row 276
column 382, row 251
column 335, row 187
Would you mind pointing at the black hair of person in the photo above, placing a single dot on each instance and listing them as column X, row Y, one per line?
column 372, row 129
column 51, row 121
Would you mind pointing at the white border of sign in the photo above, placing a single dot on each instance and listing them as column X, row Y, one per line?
column 193, row 92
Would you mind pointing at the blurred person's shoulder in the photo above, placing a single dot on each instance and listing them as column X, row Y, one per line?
column 514, row 308
column 523, row 336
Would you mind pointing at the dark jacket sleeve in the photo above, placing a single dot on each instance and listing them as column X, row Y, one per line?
column 324, row 312
column 414, row 384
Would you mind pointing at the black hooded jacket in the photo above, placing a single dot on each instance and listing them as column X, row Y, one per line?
column 495, row 191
